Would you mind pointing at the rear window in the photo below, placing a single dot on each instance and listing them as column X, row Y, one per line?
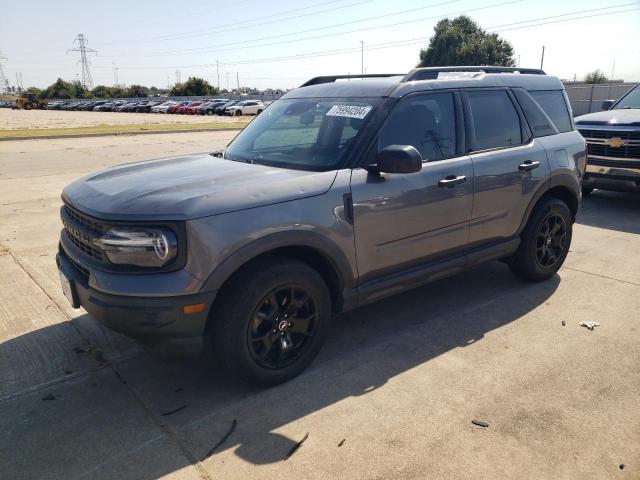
column 495, row 120
column 553, row 103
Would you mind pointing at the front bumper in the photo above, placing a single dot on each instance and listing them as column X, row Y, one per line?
column 158, row 323
column 612, row 174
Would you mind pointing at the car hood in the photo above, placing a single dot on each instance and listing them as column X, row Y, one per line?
column 187, row 187
column 621, row 116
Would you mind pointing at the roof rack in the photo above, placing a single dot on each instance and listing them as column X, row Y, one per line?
column 431, row 73
column 333, row 78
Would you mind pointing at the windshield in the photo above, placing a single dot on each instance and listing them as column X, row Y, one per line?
column 630, row 100
column 307, row 134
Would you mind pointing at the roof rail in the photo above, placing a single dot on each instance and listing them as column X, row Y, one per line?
column 333, row 78
column 431, row 73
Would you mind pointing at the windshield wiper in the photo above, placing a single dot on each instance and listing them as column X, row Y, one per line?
column 217, row 153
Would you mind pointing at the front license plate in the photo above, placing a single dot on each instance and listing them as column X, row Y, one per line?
column 66, row 288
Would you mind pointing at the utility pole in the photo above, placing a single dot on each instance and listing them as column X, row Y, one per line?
column 115, row 75
column 18, row 83
column 218, row 74
column 542, row 58
column 361, row 57
column 613, row 69
column 177, row 77
column 519, row 61
column 227, row 81
column 238, row 81
column 81, row 41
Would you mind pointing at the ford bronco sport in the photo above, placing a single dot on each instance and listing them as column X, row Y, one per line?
column 340, row 193
column 613, row 143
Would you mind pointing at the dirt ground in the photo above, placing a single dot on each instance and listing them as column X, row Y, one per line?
column 392, row 394
column 54, row 119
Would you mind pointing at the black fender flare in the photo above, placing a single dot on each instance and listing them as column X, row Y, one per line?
column 297, row 238
column 561, row 180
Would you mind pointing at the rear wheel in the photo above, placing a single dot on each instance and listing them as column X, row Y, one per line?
column 545, row 241
column 271, row 321
column 238, row 113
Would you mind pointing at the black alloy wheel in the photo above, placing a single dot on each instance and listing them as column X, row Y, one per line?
column 282, row 326
column 551, row 240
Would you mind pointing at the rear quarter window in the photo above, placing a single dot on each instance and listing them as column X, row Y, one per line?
column 554, row 105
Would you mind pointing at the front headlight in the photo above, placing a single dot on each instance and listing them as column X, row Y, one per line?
column 144, row 247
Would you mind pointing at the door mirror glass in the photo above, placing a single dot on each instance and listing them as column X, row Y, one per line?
column 607, row 104
column 399, row 159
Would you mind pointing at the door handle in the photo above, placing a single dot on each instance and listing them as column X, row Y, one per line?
column 451, row 181
column 528, row 166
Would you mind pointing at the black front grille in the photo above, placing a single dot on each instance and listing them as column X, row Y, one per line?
column 82, row 231
column 602, row 150
column 624, row 135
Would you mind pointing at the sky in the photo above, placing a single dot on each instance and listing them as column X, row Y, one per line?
column 280, row 44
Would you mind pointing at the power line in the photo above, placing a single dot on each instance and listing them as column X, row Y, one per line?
column 399, row 43
column 216, row 47
column 231, row 26
column 87, row 82
column 485, row 7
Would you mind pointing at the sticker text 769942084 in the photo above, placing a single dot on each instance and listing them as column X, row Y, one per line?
column 351, row 111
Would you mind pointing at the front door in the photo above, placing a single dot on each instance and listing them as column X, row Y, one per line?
column 402, row 219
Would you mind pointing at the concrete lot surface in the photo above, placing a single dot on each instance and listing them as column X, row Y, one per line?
column 392, row 394
column 53, row 119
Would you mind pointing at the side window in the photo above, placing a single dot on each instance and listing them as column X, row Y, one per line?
column 495, row 119
column 427, row 122
column 541, row 125
column 553, row 103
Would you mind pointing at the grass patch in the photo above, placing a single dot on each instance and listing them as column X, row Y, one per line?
column 118, row 129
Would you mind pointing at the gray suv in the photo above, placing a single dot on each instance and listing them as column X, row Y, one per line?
column 340, row 193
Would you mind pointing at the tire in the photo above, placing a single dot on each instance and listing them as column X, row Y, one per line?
column 586, row 191
column 238, row 113
column 258, row 112
column 209, row 112
column 248, row 330
column 545, row 241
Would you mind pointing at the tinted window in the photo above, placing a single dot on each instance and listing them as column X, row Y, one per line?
column 552, row 101
column 427, row 122
column 541, row 125
column 495, row 120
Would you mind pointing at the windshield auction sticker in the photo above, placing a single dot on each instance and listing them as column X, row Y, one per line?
column 351, row 111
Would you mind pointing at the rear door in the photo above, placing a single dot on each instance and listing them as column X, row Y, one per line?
column 508, row 163
column 404, row 219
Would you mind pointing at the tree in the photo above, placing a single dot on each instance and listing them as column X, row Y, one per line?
column 194, row 86
column 136, row 91
column 461, row 41
column 63, row 89
column 597, row 76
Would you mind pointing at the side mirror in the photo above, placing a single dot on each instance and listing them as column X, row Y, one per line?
column 607, row 104
column 399, row 159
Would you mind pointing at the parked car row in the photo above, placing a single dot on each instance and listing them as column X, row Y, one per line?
column 218, row 106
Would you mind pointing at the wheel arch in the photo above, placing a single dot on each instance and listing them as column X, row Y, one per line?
column 315, row 250
column 562, row 187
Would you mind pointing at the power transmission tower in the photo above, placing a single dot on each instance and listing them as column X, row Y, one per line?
column 115, row 75
column 81, row 42
column 4, row 82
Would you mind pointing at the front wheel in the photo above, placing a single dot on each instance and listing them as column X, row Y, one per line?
column 271, row 321
column 544, row 242
column 238, row 113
